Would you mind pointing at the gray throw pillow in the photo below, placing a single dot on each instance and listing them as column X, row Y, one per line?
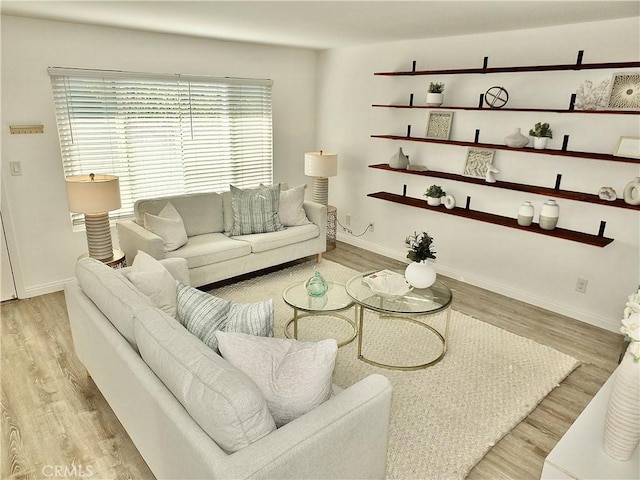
column 203, row 314
column 255, row 210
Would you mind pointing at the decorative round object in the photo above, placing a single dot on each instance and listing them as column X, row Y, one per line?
column 525, row 214
column 399, row 160
column 449, row 202
column 420, row 274
column 549, row 214
column 621, row 432
column 631, row 193
column 516, row 139
column 496, row 97
column 316, row 286
column 607, row 193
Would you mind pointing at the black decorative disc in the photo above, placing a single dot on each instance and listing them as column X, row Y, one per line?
column 496, row 97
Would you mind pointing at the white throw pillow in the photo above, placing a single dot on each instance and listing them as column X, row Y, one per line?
column 290, row 210
column 295, row 377
column 169, row 226
column 155, row 281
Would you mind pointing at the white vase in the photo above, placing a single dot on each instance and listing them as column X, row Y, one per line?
column 540, row 143
column 549, row 214
column 622, row 420
column 631, row 193
column 435, row 99
column 433, row 201
column 516, row 140
column 420, row 274
column 525, row 214
column 399, row 160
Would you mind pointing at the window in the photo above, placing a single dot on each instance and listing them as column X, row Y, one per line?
column 163, row 135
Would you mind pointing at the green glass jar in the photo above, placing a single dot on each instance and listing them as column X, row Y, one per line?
column 316, row 286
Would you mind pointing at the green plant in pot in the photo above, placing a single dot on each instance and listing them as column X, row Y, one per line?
column 419, row 273
column 435, row 94
column 434, row 195
column 541, row 133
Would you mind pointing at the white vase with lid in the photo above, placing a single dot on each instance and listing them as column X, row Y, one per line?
column 525, row 214
column 549, row 214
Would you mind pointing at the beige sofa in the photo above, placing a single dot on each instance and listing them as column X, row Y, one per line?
column 211, row 254
column 112, row 323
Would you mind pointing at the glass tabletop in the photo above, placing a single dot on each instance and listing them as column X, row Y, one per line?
column 335, row 299
column 417, row 302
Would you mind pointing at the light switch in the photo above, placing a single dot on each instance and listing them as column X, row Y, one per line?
column 16, row 169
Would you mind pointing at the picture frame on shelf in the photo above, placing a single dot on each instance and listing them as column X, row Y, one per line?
column 439, row 125
column 478, row 162
column 628, row 147
column 625, row 91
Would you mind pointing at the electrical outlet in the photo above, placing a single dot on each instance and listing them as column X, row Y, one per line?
column 581, row 285
column 371, row 227
column 347, row 219
column 16, row 168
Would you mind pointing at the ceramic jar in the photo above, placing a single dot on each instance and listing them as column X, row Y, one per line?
column 525, row 214
column 549, row 214
column 516, row 140
column 433, row 201
column 631, row 193
column 399, row 160
column 540, row 143
column 435, row 99
column 420, row 274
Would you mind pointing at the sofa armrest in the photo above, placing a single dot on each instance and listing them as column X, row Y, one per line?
column 132, row 237
column 345, row 437
column 317, row 213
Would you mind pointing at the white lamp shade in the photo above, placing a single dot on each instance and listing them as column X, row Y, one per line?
column 320, row 164
column 93, row 193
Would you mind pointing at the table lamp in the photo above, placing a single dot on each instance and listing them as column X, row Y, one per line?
column 95, row 196
column 320, row 165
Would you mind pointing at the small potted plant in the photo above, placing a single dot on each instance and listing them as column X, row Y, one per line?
column 435, row 94
column 419, row 273
column 434, row 195
column 541, row 133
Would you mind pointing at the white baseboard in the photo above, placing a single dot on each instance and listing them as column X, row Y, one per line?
column 506, row 290
column 45, row 288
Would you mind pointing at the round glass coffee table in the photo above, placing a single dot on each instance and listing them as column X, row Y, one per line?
column 333, row 301
column 418, row 302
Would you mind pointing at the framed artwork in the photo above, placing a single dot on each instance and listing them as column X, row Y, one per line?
column 478, row 162
column 628, row 147
column 439, row 125
column 625, row 91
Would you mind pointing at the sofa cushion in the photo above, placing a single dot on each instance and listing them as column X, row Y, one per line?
column 290, row 208
column 168, row 225
column 200, row 212
column 255, row 210
column 204, row 314
column 155, row 281
column 113, row 294
column 295, row 377
column 210, row 248
column 262, row 242
column 226, row 404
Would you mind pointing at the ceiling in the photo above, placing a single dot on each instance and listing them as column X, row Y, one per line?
column 324, row 24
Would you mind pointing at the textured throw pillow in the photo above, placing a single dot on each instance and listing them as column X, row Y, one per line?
column 169, row 226
column 255, row 210
column 295, row 377
column 154, row 280
column 203, row 314
column 290, row 209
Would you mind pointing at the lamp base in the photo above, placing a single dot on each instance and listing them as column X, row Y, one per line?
column 98, row 235
column 321, row 190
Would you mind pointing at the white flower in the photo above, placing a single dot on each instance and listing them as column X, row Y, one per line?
column 634, row 350
column 631, row 324
column 631, row 327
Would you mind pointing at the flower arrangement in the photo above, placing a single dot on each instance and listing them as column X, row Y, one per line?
column 436, row 87
column 541, row 130
column 420, row 247
column 435, row 191
column 631, row 324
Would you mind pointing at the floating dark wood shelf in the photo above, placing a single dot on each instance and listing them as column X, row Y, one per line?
column 529, row 68
column 549, row 192
column 446, row 107
column 546, row 151
column 580, row 237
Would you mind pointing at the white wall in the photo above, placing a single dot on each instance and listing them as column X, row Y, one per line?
column 43, row 246
column 537, row 269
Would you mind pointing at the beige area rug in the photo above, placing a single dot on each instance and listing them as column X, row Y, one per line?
column 445, row 418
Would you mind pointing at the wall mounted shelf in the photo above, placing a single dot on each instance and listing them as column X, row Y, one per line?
column 546, row 151
column 520, row 187
column 486, row 109
column 588, row 239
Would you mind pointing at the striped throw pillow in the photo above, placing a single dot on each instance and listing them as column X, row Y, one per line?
column 255, row 210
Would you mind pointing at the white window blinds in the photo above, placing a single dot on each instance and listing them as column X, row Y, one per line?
column 163, row 135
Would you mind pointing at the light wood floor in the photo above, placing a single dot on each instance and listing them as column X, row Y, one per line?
column 54, row 419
